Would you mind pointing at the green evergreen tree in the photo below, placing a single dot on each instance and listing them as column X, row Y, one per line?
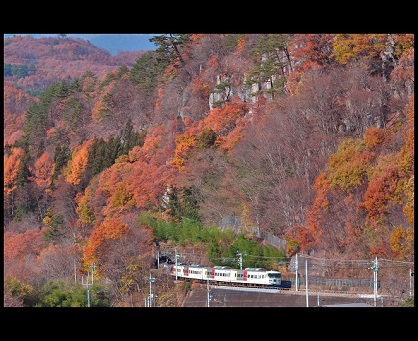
column 121, row 71
column 170, row 47
column 73, row 113
column 7, row 70
column 146, row 72
column 130, row 138
column 207, row 139
column 269, row 63
column 41, row 148
column 61, row 157
column 110, row 77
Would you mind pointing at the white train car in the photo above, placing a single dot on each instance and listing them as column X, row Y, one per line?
column 261, row 277
column 225, row 275
column 191, row 271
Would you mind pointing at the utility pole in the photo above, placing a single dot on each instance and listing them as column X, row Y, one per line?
column 88, row 285
column 296, row 271
column 177, row 256
column 411, row 274
column 208, row 292
column 151, row 280
column 75, row 273
column 240, row 260
column 306, row 284
column 375, row 268
column 92, row 267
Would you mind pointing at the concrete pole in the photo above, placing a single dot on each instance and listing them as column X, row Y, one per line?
column 375, row 269
column 208, row 292
column 150, row 289
column 296, row 271
column 306, row 284
column 176, row 262
column 411, row 274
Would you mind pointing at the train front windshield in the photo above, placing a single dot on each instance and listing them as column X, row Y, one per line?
column 275, row 278
column 274, row 275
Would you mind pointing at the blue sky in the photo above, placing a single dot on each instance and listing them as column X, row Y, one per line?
column 114, row 43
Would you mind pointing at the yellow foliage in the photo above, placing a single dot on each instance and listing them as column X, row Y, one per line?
column 350, row 164
column 122, row 197
column 409, row 205
column 351, row 47
column 184, row 144
column 401, row 242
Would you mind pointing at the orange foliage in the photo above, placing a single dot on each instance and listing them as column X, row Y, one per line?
column 294, row 82
column 152, row 143
column 213, row 62
column 88, row 84
column 44, row 168
column 113, row 183
column 158, row 100
column 110, row 229
column 234, row 136
column 314, row 216
column 98, row 110
column 195, row 37
column 147, row 183
column 200, row 88
column 374, row 137
column 15, row 105
column 405, row 163
column 306, row 236
column 78, row 164
column 15, row 100
column 223, row 119
column 402, row 242
column 381, row 190
column 21, row 245
column 350, row 47
column 240, row 44
column 311, row 50
column 406, row 155
column 184, row 144
column 188, row 122
column 11, row 169
column 139, row 180
column 55, row 249
column 227, row 121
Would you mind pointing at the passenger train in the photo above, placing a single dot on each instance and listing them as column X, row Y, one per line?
column 225, row 275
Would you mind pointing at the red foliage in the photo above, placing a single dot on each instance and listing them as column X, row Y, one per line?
column 380, row 191
column 100, row 238
column 22, row 245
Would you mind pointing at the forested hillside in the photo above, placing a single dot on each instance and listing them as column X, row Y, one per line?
column 34, row 63
column 206, row 144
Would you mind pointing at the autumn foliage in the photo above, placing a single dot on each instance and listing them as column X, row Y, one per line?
column 100, row 239
column 308, row 138
column 78, row 163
